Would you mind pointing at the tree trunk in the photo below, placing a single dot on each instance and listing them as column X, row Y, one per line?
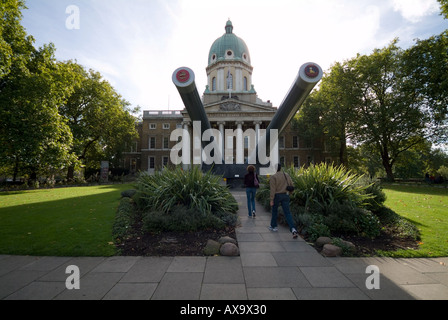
column 343, row 153
column 16, row 170
column 70, row 173
column 388, row 167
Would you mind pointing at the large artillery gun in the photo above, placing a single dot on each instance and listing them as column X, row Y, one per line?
column 308, row 77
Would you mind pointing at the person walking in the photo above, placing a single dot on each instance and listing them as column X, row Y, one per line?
column 279, row 184
column 251, row 183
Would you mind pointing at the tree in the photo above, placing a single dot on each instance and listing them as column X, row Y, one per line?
column 426, row 67
column 15, row 45
column 33, row 135
column 99, row 119
column 392, row 115
column 444, row 7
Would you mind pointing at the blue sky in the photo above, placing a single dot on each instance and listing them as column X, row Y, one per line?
column 137, row 44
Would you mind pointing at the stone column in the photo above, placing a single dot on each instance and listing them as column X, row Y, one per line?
column 186, row 146
column 239, row 143
column 257, row 130
column 221, row 125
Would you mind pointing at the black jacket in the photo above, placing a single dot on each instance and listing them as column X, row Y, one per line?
column 249, row 180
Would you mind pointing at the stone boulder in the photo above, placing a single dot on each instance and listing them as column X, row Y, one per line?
column 229, row 249
column 330, row 250
column 227, row 239
column 321, row 241
column 212, row 248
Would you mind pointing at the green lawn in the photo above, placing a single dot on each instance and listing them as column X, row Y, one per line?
column 427, row 207
column 59, row 222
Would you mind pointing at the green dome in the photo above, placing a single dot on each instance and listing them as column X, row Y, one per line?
column 229, row 47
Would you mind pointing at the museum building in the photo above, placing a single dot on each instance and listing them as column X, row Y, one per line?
column 230, row 102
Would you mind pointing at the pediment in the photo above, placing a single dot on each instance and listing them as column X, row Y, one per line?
column 232, row 105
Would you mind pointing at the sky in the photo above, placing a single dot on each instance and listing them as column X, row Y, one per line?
column 137, row 44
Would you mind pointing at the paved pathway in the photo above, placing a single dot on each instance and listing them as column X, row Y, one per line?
column 271, row 266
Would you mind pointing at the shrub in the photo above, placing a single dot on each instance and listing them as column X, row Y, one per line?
column 190, row 200
column 124, row 219
column 325, row 184
column 192, row 188
column 329, row 199
column 181, row 219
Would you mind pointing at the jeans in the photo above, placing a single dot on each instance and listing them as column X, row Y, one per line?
column 250, row 192
column 282, row 199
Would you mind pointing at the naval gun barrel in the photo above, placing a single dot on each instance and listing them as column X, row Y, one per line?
column 309, row 75
column 184, row 80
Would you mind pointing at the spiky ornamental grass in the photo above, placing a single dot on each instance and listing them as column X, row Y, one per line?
column 193, row 189
column 324, row 184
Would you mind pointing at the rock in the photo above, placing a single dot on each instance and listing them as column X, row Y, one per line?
column 321, row 241
column 330, row 250
column 229, row 249
column 212, row 248
column 227, row 239
column 349, row 245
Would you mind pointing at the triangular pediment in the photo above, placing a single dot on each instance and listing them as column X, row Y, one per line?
column 232, row 105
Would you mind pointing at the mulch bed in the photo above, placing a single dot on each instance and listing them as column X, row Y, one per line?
column 386, row 241
column 193, row 243
column 170, row 243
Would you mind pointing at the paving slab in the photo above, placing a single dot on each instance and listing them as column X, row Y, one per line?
column 38, row 290
column 148, row 269
column 93, row 286
column 179, row 286
column 326, row 277
column 131, row 291
column 274, row 277
column 329, row 294
column 221, row 270
column 223, row 292
column 271, row 294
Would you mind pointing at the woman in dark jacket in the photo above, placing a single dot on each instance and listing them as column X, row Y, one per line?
column 252, row 184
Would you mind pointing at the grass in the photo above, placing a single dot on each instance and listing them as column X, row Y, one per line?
column 78, row 221
column 59, row 222
column 427, row 208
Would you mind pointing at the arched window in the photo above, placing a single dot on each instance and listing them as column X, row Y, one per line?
column 245, row 84
column 214, row 84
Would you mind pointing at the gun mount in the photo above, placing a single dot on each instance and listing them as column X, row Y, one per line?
column 309, row 75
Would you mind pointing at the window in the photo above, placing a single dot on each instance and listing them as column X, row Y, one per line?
column 281, row 142
column 152, row 126
column 166, row 126
column 309, row 160
column 295, row 142
column 152, row 142
column 152, row 163
column 214, row 84
column 133, row 165
column 164, row 162
column 296, row 162
column 166, row 143
column 282, row 161
column 245, row 84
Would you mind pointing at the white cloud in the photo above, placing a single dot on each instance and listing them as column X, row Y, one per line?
column 415, row 10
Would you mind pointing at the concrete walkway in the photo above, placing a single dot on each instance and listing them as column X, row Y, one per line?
column 271, row 266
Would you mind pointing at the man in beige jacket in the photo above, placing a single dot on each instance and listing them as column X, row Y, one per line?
column 279, row 195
